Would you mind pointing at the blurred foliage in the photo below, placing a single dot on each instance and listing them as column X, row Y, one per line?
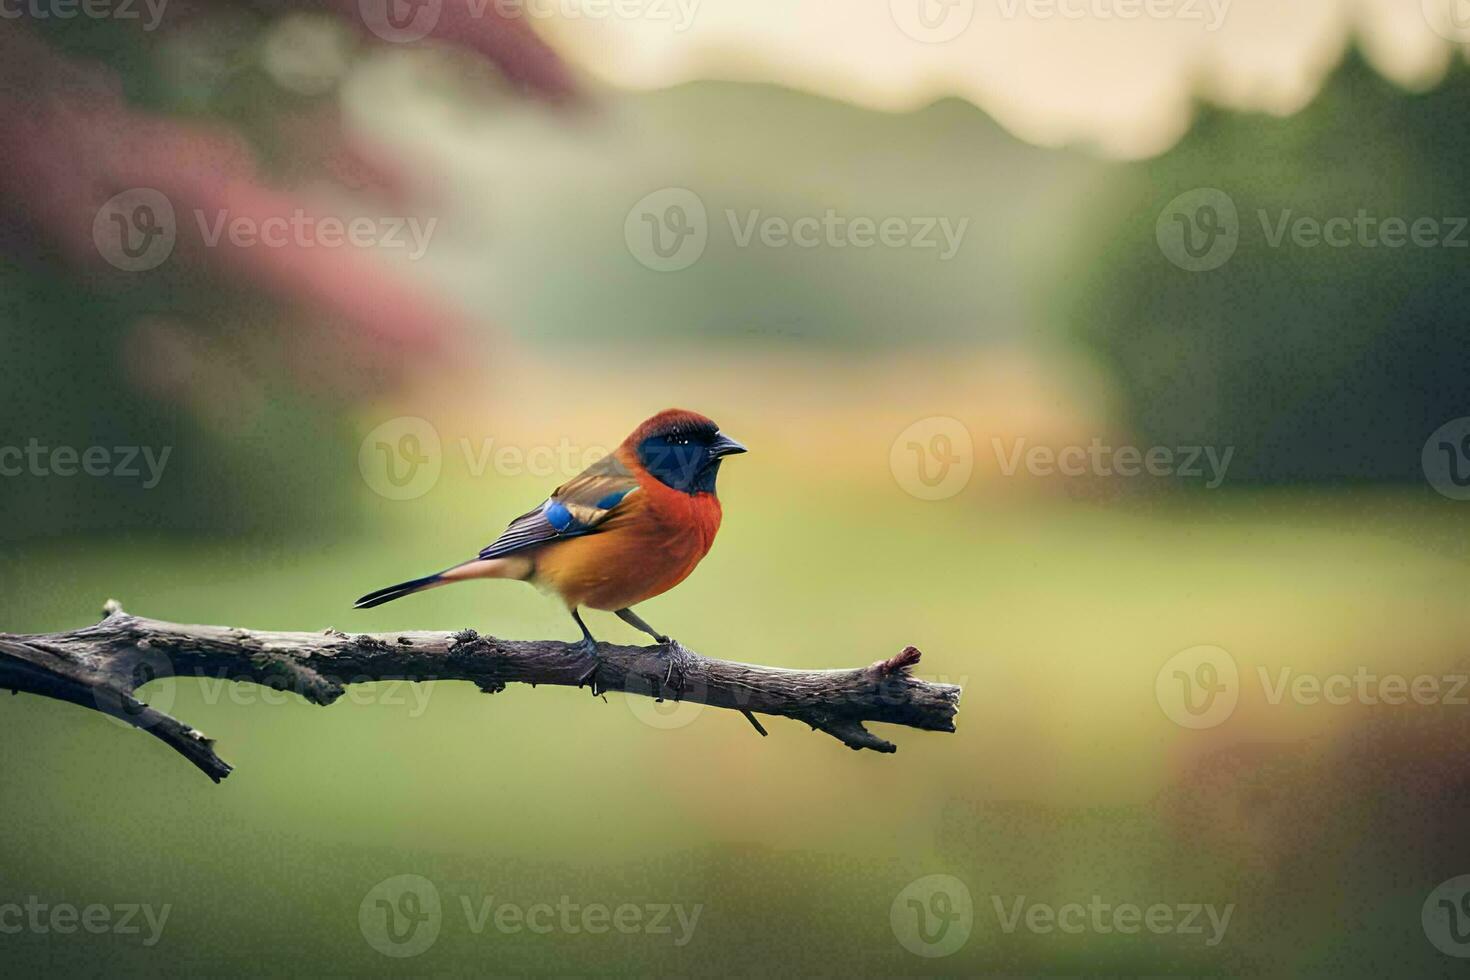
column 1319, row 362
column 243, row 443
column 239, row 368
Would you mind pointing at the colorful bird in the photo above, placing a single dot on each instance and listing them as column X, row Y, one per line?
column 631, row 526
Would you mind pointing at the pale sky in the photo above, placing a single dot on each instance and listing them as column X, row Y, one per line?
column 1115, row 74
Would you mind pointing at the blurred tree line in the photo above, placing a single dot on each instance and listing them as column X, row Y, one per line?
column 1317, row 362
column 1316, row 359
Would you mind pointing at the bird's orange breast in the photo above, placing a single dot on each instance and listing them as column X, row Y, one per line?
column 651, row 544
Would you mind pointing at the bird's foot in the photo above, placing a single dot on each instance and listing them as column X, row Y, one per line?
column 588, row 646
column 673, row 653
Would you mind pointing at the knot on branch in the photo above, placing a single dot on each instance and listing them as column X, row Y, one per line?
column 467, row 647
column 467, row 651
column 900, row 663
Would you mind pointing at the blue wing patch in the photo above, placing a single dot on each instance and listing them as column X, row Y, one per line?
column 579, row 506
column 558, row 516
column 614, row 498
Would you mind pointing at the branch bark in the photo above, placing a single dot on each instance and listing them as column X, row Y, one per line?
column 101, row 667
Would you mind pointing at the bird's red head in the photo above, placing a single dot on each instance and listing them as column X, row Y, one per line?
column 682, row 449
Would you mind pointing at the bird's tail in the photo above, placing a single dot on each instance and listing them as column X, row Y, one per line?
column 506, row 567
column 399, row 591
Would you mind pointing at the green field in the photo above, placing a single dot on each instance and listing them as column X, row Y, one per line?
column 1064, row 781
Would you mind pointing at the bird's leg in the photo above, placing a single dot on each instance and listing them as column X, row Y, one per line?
column 636, row 621
column 589, row 647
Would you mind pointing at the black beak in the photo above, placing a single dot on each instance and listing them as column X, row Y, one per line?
column 725, row 446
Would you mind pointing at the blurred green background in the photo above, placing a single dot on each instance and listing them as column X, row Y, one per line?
column 1055, row 601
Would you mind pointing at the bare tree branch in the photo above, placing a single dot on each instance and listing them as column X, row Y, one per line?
column 101, row 666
